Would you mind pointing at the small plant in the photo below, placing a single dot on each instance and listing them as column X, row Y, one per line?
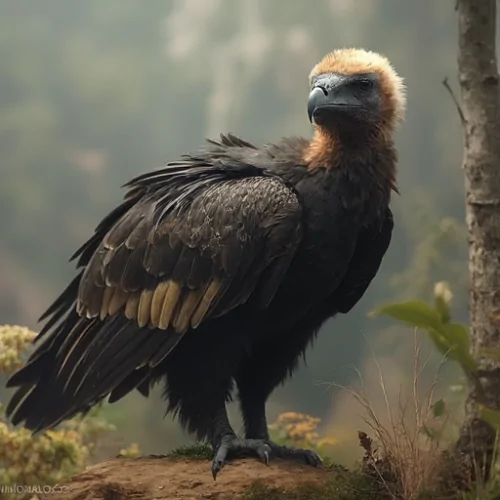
column 301, row 431
column 197, row 451
column 405, row 455
column 55, row 455
column 450, row 339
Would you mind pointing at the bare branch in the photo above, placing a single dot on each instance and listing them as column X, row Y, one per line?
column 447, row 86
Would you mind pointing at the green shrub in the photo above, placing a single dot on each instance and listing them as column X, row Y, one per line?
column 54, row 456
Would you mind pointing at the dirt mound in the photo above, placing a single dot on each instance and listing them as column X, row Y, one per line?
column 182, row 479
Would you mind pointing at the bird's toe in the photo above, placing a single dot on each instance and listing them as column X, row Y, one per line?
column 312, row 458
column 239, row 448
column 307, row 457
column 220, row 459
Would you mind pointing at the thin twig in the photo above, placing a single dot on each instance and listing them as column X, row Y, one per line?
column 447, row 86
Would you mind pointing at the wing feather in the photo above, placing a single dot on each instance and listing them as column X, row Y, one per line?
column 370, row 249
column 188, row 244
column 217, row 247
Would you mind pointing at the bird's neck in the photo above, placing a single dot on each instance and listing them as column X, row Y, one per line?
column 329, row 151
column 323, row 151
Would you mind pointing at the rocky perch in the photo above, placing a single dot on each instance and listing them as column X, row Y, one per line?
column 185, row 475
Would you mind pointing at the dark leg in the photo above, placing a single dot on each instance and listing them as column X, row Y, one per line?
column 226, row 445
column 253, row 409
column 258, row 376
column 254, row 416
column 208, row 420
column 197, row 391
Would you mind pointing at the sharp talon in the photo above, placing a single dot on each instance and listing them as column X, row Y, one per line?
column 215, row 470
column 239, row 448
column 263, row 453
column 217, row 466
column 268, row 453
column 220, row 459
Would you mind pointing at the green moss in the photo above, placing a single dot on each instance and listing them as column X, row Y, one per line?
column 197, row 451
column 343, row 485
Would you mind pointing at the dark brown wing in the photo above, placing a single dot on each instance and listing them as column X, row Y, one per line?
column 196, row 262
column 187, row 245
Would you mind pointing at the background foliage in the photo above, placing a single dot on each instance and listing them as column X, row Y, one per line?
column 56, row 455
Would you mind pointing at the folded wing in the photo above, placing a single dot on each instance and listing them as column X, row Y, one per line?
column 189, row 244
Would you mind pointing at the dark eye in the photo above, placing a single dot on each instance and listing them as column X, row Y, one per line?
column 365, row 84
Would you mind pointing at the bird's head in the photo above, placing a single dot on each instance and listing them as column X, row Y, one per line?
column 354, row 90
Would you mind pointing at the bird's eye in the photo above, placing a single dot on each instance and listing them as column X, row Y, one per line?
column 365, row 84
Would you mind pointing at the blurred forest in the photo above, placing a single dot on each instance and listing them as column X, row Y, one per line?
column 93, row 93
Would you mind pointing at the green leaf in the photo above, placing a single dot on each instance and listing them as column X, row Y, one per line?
column 450, row 339
column 457, row 337
column 440, row 342
column 414, row 313
column 438, row 408
column 490, row 416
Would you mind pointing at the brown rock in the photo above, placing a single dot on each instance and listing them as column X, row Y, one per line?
column 177, row 479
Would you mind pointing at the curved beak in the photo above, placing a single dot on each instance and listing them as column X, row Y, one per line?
column 328, row 96
column 317, row 99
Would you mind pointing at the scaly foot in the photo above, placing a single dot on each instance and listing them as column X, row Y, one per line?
column 307, row 457
column 232, row 447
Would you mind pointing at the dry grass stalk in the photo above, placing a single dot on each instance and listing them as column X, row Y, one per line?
column 407, row 459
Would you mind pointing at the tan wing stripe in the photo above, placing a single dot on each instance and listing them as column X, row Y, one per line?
column 206, row 300
column 189, row 304
column 169, row 304
column 118, row 300
column 132, row 307
column 144, row 307
column 157, row 303
column 108, row 293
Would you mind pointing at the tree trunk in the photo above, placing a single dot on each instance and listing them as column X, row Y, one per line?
column 479, row 83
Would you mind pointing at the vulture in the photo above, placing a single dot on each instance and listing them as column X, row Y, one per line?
column 216, row 272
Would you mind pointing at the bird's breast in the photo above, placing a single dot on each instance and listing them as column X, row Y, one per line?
column 334, row 215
